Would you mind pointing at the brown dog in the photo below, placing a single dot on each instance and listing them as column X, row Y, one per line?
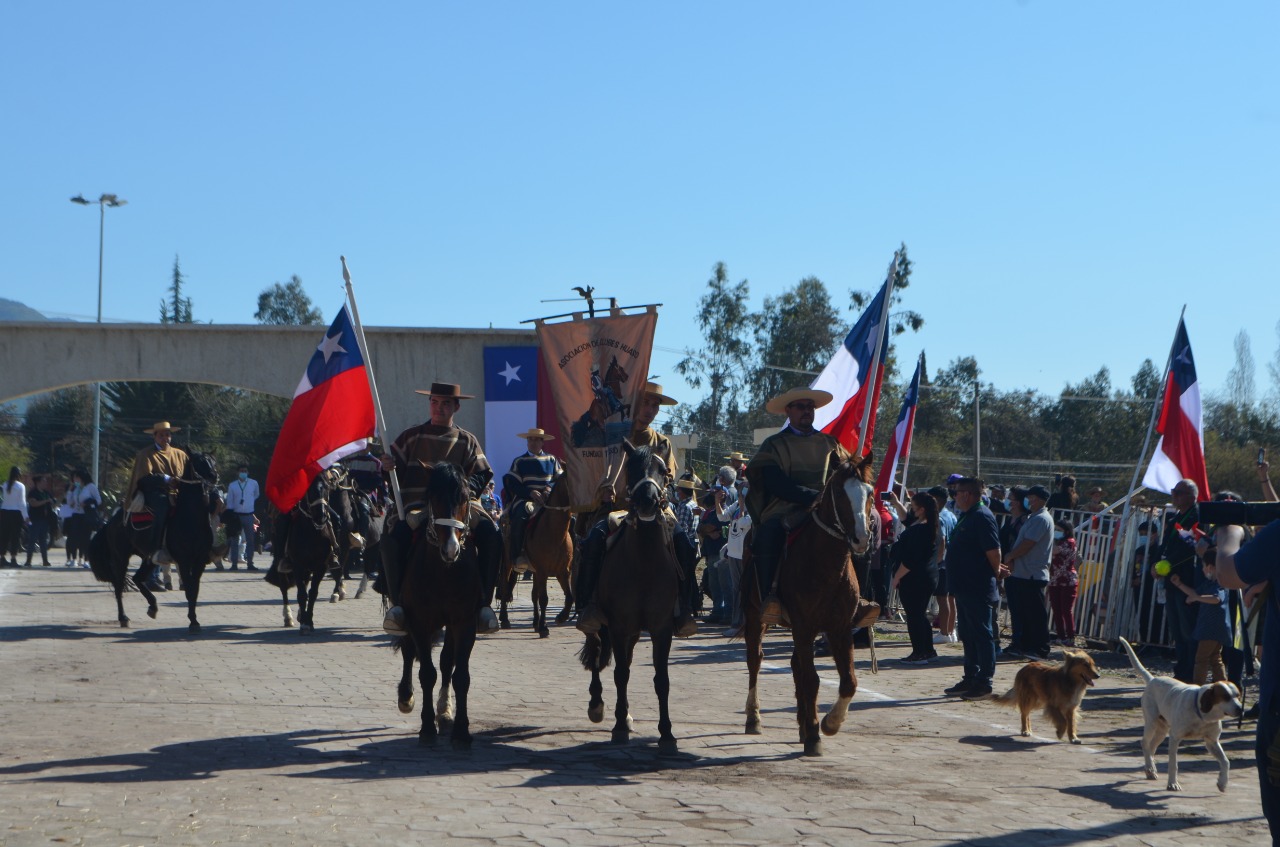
column 1059, row 689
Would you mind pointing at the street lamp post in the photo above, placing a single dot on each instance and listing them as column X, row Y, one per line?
column 102, row 203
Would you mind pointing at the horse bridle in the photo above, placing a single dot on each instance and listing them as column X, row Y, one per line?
column 838, row 531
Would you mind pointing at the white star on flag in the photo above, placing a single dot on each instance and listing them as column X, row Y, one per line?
column 330, row 346
column 512, row 373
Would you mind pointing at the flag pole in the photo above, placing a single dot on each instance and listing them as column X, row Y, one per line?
column 875, row 357
column 373, row 385
column 1155, row 409
column 906, row 460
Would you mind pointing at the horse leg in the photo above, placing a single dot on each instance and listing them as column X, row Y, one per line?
column 308, row 618
column 190, row 576
column 444, row 701
column 753, row 635
column 540, row 601
column 118, row 585
column 427, row 678
column 339, row 592
column 503, row 620
column 623, row 649
column 404, row 693
column 563, row 579
column 364, row 583
column 140, row 578
column 842, row 655
column 662, row 686
column 805, row 676
column 288, row 612
column 595, row 650
column 461, row 739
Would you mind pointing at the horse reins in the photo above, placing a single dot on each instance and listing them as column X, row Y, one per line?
column 838, row 531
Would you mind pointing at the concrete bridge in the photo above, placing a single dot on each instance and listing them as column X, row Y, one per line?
column 44, row 356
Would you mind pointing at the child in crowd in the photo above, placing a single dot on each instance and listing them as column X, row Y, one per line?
column 1064, row 581
column 1213, row 629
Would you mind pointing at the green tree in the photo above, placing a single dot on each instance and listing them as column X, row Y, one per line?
column 177, row 309
column 901, row 320
column 287, row 304
column 12, row 450
column 723, row 362
column 58, row 430
column 795, row 331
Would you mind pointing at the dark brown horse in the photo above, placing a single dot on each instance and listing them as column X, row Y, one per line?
column 637, row 592
column 548, row 544
column 819, row 590
column 313, row 540
column 441, row 591
column 189, row 539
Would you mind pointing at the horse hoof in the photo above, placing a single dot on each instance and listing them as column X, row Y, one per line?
column 405, row 706
column 544, row 633
column 828, row 729
column 621, row 736
column 124, row 623
column 753, row 728
column 504, row 623
column 813, row 748
column 667, row 746
column 333, row 598
column 445, row 725
column 193, row 628
column 152, row 611
column 359, row 593
column 306, row 629
column 596, row 712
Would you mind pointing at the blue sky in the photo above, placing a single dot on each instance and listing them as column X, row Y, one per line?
column 1066, row 175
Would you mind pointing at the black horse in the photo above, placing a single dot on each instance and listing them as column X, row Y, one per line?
column 189, row 539
column 311, row 540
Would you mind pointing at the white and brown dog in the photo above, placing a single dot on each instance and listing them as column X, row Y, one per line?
column 1178, row 710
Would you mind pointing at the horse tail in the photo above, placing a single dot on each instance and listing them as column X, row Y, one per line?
column 401, row 642
column 595, row 652
column 100, row 552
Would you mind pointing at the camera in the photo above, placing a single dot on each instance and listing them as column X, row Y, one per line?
column 886, row 496
column 1223, row 512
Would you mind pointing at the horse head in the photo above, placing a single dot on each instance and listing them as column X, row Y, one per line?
column 448, row 499
column 647, row 478
column 854, row 479
column 204, row 467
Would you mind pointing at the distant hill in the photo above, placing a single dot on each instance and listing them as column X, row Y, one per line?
column 12, row 310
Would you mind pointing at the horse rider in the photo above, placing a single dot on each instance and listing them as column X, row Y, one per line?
column 785, row 476
column 160, row 465
column 436, row 441
column 590, row 618
column 526, row 485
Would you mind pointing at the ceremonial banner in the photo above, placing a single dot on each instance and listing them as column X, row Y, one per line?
column 595, row 371
column 510, row 403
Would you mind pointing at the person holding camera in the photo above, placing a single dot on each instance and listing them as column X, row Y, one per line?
column 1178, row 548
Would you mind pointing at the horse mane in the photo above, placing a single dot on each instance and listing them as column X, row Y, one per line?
column 449, row 485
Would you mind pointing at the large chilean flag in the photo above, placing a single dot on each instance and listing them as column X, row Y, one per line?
column 1180, row 453
column 900, row 444
column 331, row 416
column 849, row 379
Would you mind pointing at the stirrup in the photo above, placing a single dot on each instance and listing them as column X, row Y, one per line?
column 686, row 626
column 590, row 620
column 487, row 622
column 868, row 613
column 393, row 621
column 522, row 563
column 772, row 613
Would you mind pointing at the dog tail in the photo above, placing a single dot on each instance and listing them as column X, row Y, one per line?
column 1133, row 660
column 1008, row 698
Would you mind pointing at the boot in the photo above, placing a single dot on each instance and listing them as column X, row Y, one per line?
column 393, row 621
column 687, row 556
column 590, row 618
column 489, row 556
column 771, row 608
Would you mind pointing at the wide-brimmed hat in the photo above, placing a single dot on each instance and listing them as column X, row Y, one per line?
column 735, row 456
column 536, row 432
column 445, row 389
column 687, row 484
column 161, row 425
column 656, row 390
column 778, row 405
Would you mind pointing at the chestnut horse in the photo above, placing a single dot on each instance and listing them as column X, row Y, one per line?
column 819, row 590
column 637, row 591
column 441, row 591
column 548, row 544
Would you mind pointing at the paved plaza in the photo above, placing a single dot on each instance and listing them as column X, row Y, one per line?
column 251, row 733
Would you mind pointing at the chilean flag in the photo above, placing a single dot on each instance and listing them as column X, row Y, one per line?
column 900, row 444
column 1180, row 453
column 331, row 416
column 848, row 378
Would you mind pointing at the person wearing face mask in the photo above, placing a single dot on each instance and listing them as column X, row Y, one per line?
column 1028, row 581
column 1148, row 587
column 1064, row 582
column 242, row 498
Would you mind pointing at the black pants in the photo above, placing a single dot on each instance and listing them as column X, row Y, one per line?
column 1027, row 606
column 10, row 533
column 915, row 591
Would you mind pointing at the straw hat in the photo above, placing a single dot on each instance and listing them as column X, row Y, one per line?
column 687, row 484
column 536, row 432
column 158, row 426
column 655, row 390
column 735, row 456
column 778, row 405
column 445, row 389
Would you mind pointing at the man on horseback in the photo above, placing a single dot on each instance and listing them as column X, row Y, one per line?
column 590, row 618
column 439, row 440
column 785, row 476
column 156, row 470
column 526, row 486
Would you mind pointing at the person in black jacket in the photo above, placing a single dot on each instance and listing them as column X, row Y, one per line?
column 916, row 574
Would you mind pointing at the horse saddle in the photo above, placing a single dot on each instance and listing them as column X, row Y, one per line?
column 142, row 521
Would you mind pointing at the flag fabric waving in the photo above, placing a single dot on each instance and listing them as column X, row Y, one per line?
column 331, row 416
column 1180, row 452
column 900, row 444
column 849, row 378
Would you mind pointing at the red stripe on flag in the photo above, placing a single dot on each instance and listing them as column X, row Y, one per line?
column 548, row 418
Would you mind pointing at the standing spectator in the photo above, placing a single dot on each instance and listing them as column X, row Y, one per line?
column 1213, row 630
column 13, row 515
column 242, row 499
column 1064, row 582
column 973, row 568
column 916, row 576
column 40, row 506
column 738, row 462
column 998, row 505
column 84, row 510
column 1095, row 502
column 731, row 562
column 1065, row 497
column 1028, row 580
column 1178, row 548
column 946, row 622
column 1150, row 588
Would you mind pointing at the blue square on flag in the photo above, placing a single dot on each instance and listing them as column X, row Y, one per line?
column 510, row 373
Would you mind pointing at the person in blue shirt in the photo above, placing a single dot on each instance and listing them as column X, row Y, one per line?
column 973, row 568
column 526, row 485
column 1213, row 628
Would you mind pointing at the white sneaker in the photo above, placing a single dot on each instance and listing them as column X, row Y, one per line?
column 488, row 620
column 953, row 638
column 940, row 638
column 393, row 621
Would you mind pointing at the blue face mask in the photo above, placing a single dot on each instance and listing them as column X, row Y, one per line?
column 244, row 475
column 1008, row 504
column 1026, row 503
column 1059, row 535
